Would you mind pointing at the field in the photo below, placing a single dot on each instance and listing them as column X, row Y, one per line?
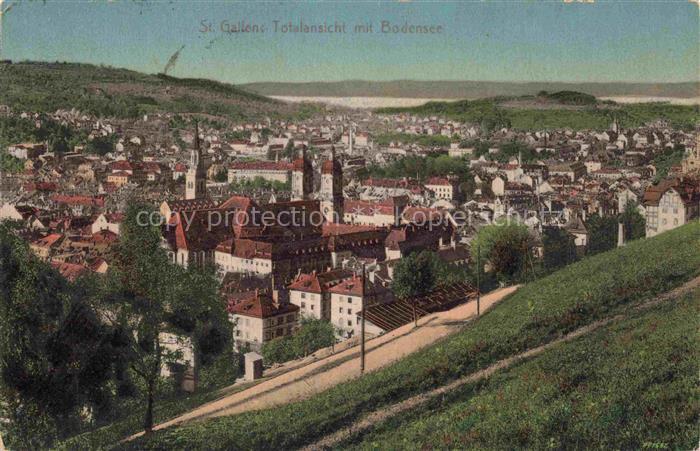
column 557, row 110
column 109, row 92
column 629, row 385
column 594, row 288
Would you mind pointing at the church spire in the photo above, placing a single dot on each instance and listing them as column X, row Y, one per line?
column 196, row 178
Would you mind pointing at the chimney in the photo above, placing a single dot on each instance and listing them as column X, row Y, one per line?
column 620, row 234
column 275, row 293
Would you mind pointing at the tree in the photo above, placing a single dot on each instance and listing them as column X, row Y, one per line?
column 55, row 354
column 414, row 276
column 559, row 247
column 146, row 295
column 140, row 288
column 602, row 233
column 278, row 350
column 506, row 246
column 101, row 145
column 58, row 145
column 633, row 222
column 289, row 150
column 221, row 176
column 197, row 311
column 10, row 164
column 312, row 335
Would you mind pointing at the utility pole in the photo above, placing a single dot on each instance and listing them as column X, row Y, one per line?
column 478, row 277
column 362, row 327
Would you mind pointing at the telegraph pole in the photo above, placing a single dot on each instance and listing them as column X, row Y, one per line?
column 362, row 327
column 478, row 277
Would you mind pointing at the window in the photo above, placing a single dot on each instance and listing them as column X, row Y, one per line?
column 349, row 300
column 341, row 309
column 312, row 307
column 349, row 323
column 303, row 295
column 349, row 312
column 303, row 305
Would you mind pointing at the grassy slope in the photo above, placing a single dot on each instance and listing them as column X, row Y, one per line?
column 630, row 385
column 106, row 91
column 530, row 113
column 538, row 313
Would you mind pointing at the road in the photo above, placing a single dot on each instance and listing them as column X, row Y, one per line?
column 308, row 380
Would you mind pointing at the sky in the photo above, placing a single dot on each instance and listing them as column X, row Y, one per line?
column 650, row 41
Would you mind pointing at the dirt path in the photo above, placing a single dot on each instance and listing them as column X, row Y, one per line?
column 374, row 418
column 308, row 380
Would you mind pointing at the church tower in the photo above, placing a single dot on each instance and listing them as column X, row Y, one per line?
column 331, row 194
column 302, row 177
column 196, row 177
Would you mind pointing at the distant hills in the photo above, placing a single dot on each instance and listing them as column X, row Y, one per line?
column 122, row 93
column 467, row 89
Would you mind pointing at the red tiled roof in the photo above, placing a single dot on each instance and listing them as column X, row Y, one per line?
column 422, row 214
column 443, row 181
column 237, row 202
column 104, row 236
column 330, row 167
column 261, row 165
column 48, row 240
column 354, row 287
column 319, row 282
column 121, row 165
column 260, row 305
column 368, row 208
column 191, row 204
column 70, row 271
column 298, row 164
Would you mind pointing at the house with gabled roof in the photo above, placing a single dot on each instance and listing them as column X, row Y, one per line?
column 311, row 292
column 260, row 317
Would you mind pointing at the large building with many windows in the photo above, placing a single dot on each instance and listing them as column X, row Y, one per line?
column 259, row 317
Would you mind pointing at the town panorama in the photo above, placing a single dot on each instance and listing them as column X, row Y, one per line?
column 188, row 263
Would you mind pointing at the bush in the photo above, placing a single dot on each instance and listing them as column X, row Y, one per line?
column 506, row 247
column 312, row 335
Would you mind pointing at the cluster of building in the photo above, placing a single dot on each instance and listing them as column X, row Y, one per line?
column 283, row 255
